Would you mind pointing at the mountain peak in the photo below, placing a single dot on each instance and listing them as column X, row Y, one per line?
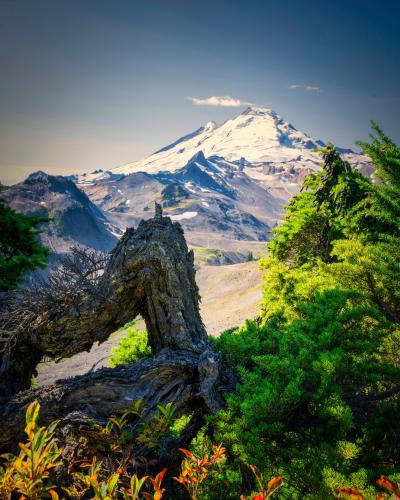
column 198, row 158
column 258, row 134
column 259, row 111
column 38, row 176
column 210, row 126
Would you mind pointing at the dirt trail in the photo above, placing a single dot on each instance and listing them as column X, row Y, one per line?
column 229, row 295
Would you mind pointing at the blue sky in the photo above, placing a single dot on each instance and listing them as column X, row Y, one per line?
column 90, row 84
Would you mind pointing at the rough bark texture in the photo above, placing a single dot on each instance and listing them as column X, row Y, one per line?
column 150, row 273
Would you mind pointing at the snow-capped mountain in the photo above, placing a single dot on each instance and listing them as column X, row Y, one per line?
column 207, row 195
column 231, row 180
column 257, row 135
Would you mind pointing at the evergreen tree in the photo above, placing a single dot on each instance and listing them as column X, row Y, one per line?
column 319, row 394
column 382, row 215
column 19, row 250
column 317, row 216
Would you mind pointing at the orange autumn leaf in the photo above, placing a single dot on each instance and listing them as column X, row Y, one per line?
column 274, row 484
column 186, row 452
column 351, row 493
column 381, row 496
column 386, row 483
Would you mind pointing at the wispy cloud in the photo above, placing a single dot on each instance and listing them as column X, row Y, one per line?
column 215, row 100
column 308, row 88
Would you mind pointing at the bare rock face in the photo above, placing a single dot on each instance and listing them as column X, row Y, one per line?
column 150, row 272
column 74, row 218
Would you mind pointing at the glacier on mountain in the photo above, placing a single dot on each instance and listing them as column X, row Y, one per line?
column 230, row 180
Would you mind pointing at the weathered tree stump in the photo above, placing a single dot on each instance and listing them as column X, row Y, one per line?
column 151, row 273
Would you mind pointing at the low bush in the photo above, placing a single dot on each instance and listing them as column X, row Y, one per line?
column 130, row 348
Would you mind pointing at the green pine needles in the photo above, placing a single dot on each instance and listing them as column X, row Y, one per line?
column 318, row 399
column 20, row 252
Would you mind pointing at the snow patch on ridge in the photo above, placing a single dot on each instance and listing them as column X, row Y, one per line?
column 183, row 216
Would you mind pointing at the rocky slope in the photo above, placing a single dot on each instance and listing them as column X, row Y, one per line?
column 73, row 218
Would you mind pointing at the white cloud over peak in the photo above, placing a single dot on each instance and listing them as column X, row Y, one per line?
column 215, row 100
column 308, row 88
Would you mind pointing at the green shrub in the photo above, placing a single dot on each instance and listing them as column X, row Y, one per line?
column 130, row 348
column 318, row 399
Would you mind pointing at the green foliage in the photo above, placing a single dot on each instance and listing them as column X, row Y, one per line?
column 292, row 414
column 318, row 399
column 155, row 429
column 114, row 435
column 28, row 473
column 305, row 235
column 339, row 188
column 317, row 216
column 130, row 348
column 225, row 482
column 382, row 216
column 19, row 250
